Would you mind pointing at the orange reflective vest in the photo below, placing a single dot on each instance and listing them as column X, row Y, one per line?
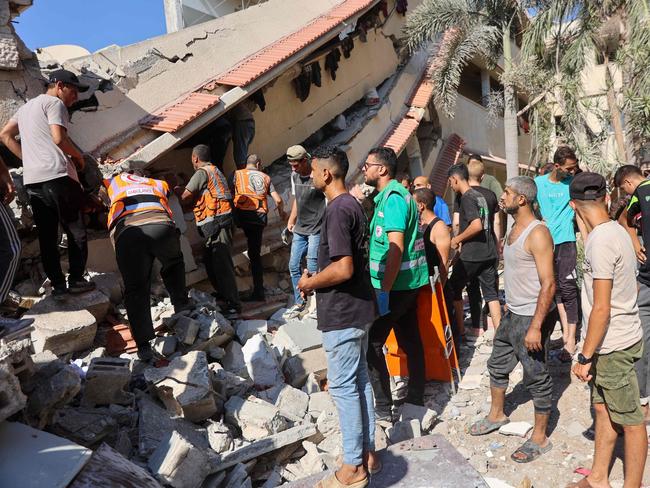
column 131, row 194
column 214, row 202
column 251, row 188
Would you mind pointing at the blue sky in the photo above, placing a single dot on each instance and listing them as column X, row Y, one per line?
column 92, row 24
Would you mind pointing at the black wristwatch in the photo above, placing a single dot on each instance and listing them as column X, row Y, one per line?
column 584, row 360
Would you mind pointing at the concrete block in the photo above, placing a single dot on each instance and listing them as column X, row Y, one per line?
column 12, row 399
column 320, row 402
column 328, row 422
column 165, row 346
column 248, row 328
column 85, row 426
column 107, row 380
column 229, row 384
column 110, row 284
column 261, row 364
column 94, row 302
column 54, row 386
column 186, row 329
column 217, row 353
column 179, row 463
column 233, row 360
column 519, row 429
column 297, row 368
column 255, row 418
column 215, row 328
column 184, row 386
column 404, row 430
column 155, row 424
column 292, row 401
column 63, row 332
column 424, row 415
column 219, row 437
column 298, row 335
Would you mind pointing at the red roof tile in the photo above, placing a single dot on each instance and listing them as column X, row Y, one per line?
column 422, row 94
column 449, row 154
column 400, row 134
column 180, row 113
column 272, row 55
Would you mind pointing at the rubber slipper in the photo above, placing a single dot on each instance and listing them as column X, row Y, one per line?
column 531, row 450
column 333, row 482
column 484, row 426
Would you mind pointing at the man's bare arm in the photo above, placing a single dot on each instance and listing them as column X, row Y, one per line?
column 61, row 139
column 600, row 316
column 187, row 199
column 474, row 228
column 639, row 249
column 8, row 138
column 442, row 241
column 293, row 216
column 279, row 204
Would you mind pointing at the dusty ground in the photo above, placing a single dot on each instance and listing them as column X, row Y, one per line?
column 490, row 454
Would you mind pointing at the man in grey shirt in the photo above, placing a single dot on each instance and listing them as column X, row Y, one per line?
column 50, row 162
column 305, row 221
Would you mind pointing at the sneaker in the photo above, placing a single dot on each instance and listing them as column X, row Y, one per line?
column 145, row 353
column 60, row 292
column 294, row 312
column 80, row 286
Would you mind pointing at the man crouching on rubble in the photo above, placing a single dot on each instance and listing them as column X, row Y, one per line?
column 142, row 229
column 346, row 305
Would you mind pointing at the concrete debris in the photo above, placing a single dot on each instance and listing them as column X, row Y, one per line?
column 165, row 346
column 184, row 386
column 328, row 422
column 248, row 328
column 297, row 336
column 297, row 368
column 312, row 462
column 186, row 329
column 261, row 363
column 274, row 480
column 12, row 399
column 53, row 386
column 83, row 426
column 110, row 284
column 293, row 403
column 519, row 429
column 404, row 430
column 217, row 353
column 107, row 467
column 219, row 437
column 425, row 416
column 255, row 418
column 234, row 361
column 63, row 331
column 311, row 385
column 179, row 463
column 471, row 382
column 95, row 302
column 229, row 384
column 320, row 402
column 107, row 380
column 238, row 478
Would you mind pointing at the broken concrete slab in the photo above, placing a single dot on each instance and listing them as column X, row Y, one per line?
column 186, row 329
column 519, row 429
column 62, row 332
column 107, row 380
column 107, row 467
column 85, row 426
column 312, row 462
column 319, row 402
column 297, row 368
column 292, row 401
column 179, row 463
column 424, row 415
column 255, row 418
column 328, row 422
column 261, row 363
column 54, row 386
column 110, row 284
column 12, row 399
column 165, row 346
column 155, row 424
column 219, row 437
column 298, row 335
column 95, row 302
column 246, row 329
column 237, row 478
column 233, row 360
column 404, row 430
column 229, row 384
column 58, row 460
column 266, row 445
column 215, row 328
column 184, row 386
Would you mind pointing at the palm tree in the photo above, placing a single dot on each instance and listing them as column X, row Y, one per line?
column 469, row 29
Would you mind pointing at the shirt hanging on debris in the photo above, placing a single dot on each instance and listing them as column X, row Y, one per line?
column 302, row 84
column 332, row 62
column 347, row 46
column 316, row 74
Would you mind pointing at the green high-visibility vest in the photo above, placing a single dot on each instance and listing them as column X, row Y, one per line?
column 413, row 272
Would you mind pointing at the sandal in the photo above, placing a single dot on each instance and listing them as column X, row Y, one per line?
column 583, row 483
column 531, row 451
column 333, row 482
column 485, row 426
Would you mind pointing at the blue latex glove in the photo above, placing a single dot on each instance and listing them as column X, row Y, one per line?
column 382, row 302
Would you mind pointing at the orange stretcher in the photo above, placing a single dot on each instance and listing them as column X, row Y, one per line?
column 440, row 357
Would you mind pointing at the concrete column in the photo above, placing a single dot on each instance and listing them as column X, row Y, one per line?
column 174, row 15
column 415, row 157
column 485, row 86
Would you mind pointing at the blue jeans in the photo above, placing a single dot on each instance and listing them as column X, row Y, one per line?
column 349, row 386
column 302, row 245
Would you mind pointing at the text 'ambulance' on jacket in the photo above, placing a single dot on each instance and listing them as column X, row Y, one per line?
column 130, row 194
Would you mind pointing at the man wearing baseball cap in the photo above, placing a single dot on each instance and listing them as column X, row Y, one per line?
column 50, row 162
column 613, row 338
column 304, row 221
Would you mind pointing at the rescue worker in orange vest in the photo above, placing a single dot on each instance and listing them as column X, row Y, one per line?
column 208, row 192
column 251, row 187
column 142, row 229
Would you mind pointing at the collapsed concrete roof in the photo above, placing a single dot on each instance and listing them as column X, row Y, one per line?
column 147, row 76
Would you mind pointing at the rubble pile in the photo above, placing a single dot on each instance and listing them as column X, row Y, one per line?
column 226, row 403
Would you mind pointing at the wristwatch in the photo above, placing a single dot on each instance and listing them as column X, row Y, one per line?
column 583, row 360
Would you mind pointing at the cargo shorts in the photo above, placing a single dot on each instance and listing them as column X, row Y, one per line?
column 615, row 384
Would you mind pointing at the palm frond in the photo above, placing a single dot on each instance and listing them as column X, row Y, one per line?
column 433, row 17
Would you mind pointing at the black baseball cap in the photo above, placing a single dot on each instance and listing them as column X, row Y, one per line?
column 67, row 77
column 587, row 186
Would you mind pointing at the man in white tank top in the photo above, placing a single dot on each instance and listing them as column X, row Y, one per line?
column 526, row 327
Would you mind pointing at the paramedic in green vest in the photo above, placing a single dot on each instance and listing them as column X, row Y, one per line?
column 398, row 269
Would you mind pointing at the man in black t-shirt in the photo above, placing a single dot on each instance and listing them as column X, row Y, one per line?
column 477, row 244
column 346, row 309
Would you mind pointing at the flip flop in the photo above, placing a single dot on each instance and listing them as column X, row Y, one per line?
column 583, row 483
column 485, row 426
column 531, row 450
column 333, row 482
